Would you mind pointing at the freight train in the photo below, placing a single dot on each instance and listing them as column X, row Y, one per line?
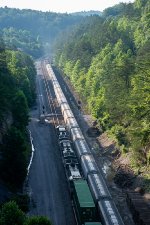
column 83, row 204
column 108, row 212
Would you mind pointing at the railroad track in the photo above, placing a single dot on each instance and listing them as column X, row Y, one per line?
column 55, row 114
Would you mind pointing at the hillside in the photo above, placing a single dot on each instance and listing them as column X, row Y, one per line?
column 17, row 93
column 107, row 61
column 87, row 13
column 29, row 28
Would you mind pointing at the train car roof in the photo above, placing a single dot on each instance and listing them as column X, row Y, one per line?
column 98, row 186
column 69, row 113
column 109, row 212
column 75, row 131
column 82, row 146
column 89, row 161
column 83, row 194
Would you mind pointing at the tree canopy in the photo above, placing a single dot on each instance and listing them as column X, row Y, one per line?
column 29, row 30
column 17, row 93
column 10, row 214
column 107, row 60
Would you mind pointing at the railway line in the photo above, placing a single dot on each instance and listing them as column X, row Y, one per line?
column 47, row 185
column 108, row 214
column 55, row 113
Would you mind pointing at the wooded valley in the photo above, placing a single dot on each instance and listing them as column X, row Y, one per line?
column 107, row 61
column 105, row 56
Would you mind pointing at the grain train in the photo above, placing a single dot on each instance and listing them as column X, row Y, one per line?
column 107, row 210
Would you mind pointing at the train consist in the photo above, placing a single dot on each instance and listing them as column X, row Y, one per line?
column 85, row 209
column 82, row 163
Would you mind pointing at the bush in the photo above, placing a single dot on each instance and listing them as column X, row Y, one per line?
column 37, row 220
column 22, row 201
column 11, row 214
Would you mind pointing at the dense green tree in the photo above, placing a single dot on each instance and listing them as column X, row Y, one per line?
column 23, row 71
column 14, row 155
column 23, row 40
column 107, row 61
column 6, row 83
column 20, row 110
column 118, row 10
column 140, row 3
column 37, row 220
column 10, row 214
column 17, row 88
column 24, row 26
column 140, row 106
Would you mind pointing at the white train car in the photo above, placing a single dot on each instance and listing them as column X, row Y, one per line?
column 88, row 165
column 81, row 147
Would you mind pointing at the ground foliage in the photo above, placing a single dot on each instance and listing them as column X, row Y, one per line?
column 11, row 214
column 107, row 60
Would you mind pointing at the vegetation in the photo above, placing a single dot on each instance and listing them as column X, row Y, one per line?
column 27, row 29
column 107, row 60
column 23, row 40
column 14, row 155
column 17, row 93
column 37, row 220
column 22, row 200
column 10, row 214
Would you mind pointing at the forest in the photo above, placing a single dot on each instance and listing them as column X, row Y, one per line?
column 105, row 57
column 23, row 40
column 24, row 35
column 11, row 214
column 29, row 29
column 17, row 94
column 107, row 61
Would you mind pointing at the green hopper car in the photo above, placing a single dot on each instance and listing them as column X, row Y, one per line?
column 83, row 202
